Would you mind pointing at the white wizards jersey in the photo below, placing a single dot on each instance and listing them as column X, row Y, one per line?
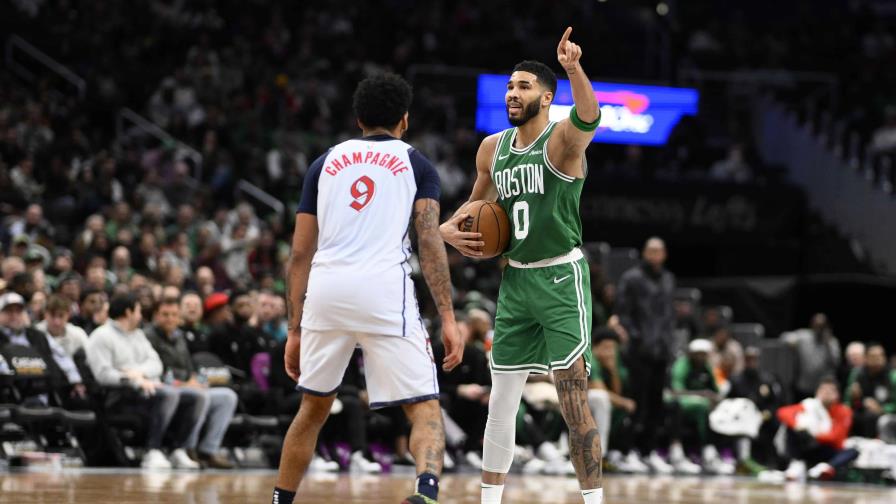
column 363, row 192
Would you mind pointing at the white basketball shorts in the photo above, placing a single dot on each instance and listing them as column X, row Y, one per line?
column 398, row 369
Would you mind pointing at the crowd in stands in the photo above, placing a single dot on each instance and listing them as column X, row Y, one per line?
column 128, row 267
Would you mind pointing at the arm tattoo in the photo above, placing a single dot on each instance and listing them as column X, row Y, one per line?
column 433, row 259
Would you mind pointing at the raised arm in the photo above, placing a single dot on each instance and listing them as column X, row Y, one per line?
column 434, row 263
column 483, row 189
column 574, row 134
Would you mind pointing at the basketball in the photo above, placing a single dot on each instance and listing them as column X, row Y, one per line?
column 488, row 218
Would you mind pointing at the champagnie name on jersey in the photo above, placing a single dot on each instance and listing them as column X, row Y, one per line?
column 521, row 179
column 388, row 161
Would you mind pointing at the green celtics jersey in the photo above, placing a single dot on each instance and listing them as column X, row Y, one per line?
column 541, row 202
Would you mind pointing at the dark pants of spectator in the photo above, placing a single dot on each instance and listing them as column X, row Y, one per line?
column 163, row 406
column 622, row 432
column 762, row 448
column 648, row 380
column 471, row 417
column 350, row 424
column 864, row 424
column 802, row 446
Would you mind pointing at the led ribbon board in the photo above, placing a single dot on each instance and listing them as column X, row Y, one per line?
column 631, row 113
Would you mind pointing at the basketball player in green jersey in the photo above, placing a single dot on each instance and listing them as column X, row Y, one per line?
column 535, row 171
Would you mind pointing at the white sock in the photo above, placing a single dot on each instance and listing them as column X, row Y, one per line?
column 491, row 494
column 595, row 496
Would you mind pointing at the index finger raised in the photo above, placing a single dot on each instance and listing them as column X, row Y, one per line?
column 566, row 35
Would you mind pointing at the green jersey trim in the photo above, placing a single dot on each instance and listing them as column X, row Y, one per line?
column 553, row 169
column 525, row 149
column 583, row 318
column 491, row 168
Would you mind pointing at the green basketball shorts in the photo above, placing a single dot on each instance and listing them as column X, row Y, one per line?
column 543, row 320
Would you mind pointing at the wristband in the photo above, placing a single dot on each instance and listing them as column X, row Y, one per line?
column 582, row 125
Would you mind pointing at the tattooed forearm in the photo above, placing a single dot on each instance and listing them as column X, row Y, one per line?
column 584, row 441
column 433, row 259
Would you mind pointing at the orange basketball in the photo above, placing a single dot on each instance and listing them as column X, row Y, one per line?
column 488, row 218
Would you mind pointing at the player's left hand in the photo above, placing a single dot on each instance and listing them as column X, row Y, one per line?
column 454, row 345
column 292, row 354
column 568, row 53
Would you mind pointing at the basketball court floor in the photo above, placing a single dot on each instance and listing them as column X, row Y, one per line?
column 132, row 486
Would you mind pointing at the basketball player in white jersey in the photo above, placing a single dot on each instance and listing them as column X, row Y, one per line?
column 349, row 284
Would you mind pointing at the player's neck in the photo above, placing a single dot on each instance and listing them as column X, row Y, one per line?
column 529, row 132
column 381, row 131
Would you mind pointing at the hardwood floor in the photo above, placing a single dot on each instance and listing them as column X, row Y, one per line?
column 131, row 487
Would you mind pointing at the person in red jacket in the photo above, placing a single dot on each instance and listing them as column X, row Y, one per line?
column 816, row 430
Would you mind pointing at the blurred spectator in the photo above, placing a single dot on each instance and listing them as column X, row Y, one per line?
column 219, row 403
column 816, row 430
column 765, row 391
column 37, row 307
column 237, row 341
column 853, row 357
column 465, row 391
column 733, row 168
column 696, row 393
column 884, row 139
column 32, row 225
column 644, row 306
column 22, row 176
column 121, row 264
column 194, row 330
column 92, row 309
column 817, row 352
column 871, row 392
column 119, row 354
column 610, row 379
column 14, row 330
column 726, row 358
column 10, row 267
column 271, row 315
column 69, row 336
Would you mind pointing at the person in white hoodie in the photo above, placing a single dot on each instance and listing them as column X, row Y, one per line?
column 56, row 324
column 118, row 353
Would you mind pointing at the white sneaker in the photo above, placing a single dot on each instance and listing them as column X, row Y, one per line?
column 448, row 461
column 549, row 452
column 155, row 459
column 771, row 477
column 474, row 460
column 821, row 469
column 318, row 464
column 685, row 466
column 614, row 457
column 180, row 460
column 534, row 466
column 632, row 464
column 360, row 464
column 713, row 463
column 658, row 465
column 796, row 471
column 522, row 455
column 560, row 467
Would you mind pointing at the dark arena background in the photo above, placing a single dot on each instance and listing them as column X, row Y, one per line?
column 159, row 149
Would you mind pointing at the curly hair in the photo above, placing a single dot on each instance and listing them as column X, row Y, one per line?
column 382, row 100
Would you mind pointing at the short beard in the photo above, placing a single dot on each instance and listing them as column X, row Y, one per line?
column 529, row 111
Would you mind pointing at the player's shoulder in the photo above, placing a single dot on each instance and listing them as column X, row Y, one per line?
column 489, row 145
column 491, row 141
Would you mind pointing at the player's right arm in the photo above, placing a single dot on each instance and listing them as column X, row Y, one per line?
column 483, row 189
column 304, row 245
